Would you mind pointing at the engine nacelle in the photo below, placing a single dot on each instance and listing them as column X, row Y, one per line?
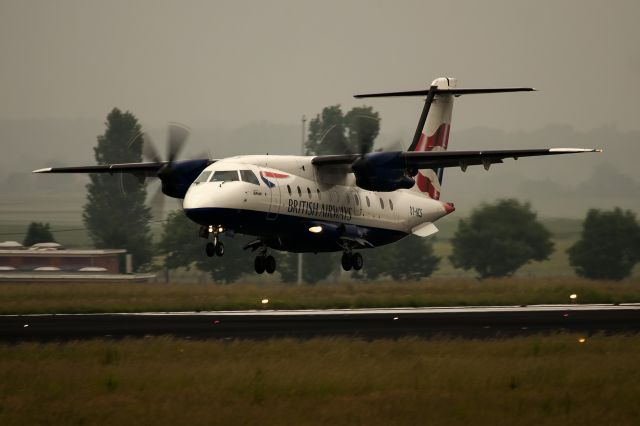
column 382, row 171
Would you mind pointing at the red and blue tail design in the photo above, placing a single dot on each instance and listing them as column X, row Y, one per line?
column 429, row 181
column 435, row 137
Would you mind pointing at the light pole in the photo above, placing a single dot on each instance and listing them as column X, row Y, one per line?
column 304, row 121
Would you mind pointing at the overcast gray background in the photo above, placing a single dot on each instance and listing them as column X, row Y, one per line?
column 242, row 73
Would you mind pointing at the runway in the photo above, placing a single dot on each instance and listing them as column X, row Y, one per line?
column 462, row 322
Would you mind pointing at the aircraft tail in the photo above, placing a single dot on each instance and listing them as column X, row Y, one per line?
column 434, row 136
column 432, row 132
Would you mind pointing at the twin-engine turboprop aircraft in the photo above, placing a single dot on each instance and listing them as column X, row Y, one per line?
column 322, row 203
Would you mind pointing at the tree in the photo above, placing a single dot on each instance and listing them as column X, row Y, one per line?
column 115, row 219
column 609, row 245
column 183, row 248
column 499, row 238
column 38, row 233
column 332, row 132
column 363, row 126
column 411, row 258
column 179, row 242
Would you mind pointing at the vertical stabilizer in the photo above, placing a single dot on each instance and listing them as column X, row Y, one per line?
column 434, row 136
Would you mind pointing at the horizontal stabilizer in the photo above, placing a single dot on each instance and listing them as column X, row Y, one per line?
column 454, row 92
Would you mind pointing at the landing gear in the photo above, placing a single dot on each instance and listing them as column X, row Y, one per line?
column 270, row 264
column 352, row 260
column 216, row 247
column 259, row 265
column 264, row 263
column 346, row 261
column 357, row 261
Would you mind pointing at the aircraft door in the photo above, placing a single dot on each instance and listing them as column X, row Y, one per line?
column 271, row 180
column 357, row 203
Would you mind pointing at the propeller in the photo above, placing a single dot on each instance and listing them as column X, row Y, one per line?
column 177, row 135
column 365, row 142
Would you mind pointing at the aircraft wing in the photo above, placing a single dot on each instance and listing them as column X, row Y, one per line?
column 138, row 169
column 147, row 169
column 462, row 159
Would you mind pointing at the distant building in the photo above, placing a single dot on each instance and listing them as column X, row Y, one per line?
column 51, row 261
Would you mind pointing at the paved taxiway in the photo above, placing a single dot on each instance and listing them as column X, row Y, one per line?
column 467, row 322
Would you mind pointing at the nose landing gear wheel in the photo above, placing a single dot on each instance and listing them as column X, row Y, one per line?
column 346, row 262
column 259, row 264
column 219, row 249
column 210, row 249
column 357, row 261
column 270, row 264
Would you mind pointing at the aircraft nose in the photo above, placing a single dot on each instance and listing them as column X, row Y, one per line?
column 191, row 200
column 195, row 206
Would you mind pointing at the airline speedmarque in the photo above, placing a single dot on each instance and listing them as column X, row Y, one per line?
column 322, row 203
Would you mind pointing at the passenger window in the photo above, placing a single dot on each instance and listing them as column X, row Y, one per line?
column 204, row 176
column 309, row 192
column 299, row 192
column 368, row 203
column 289, row 189
column 225, row 176
column 249, row 176
column 381, row 203
column 390, row 204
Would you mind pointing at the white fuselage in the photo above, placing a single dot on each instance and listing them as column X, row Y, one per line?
column 291, row 188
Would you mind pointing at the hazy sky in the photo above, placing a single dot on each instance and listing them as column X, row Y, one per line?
column 232, row 62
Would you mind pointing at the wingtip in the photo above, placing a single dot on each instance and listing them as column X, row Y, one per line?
column 45, row 170
column 574, row 150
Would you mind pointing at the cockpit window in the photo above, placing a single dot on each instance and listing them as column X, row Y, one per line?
column 225, row 176
column 249, row 176
column 204, row 176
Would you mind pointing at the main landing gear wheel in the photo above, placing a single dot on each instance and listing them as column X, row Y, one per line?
column 352, row 260
column 357, row 261
column 270, row 264
column 265, row 263
column 346, row 262
column 259, row 264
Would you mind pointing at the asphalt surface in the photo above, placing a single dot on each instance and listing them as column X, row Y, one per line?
column 464, row 322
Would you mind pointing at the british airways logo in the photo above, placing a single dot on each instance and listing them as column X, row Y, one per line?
column 265, row 175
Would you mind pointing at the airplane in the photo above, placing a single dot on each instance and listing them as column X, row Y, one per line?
column 323, row 203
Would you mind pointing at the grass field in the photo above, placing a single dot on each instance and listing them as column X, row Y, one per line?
column 161, row 381
column 94, row 297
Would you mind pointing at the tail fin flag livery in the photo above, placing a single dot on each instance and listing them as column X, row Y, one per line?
column 434, row 136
